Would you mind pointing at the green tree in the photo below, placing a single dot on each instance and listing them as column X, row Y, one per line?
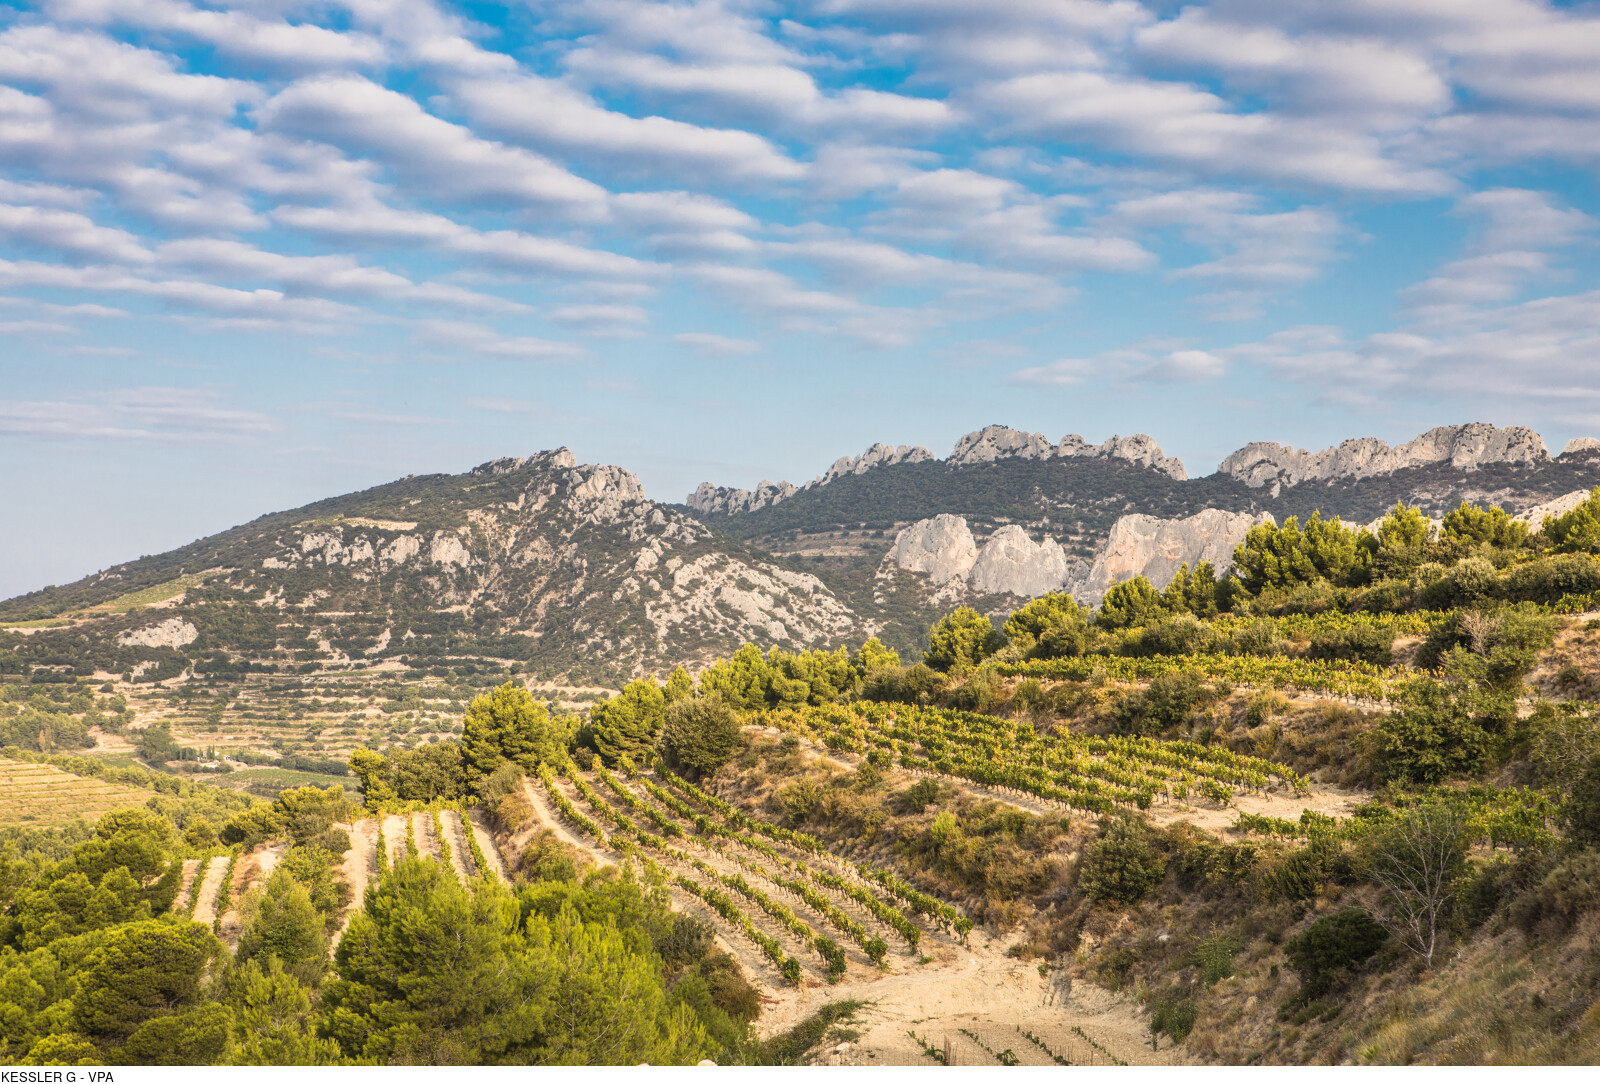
column 281, row 922
column 372, row 771
column 273, row 1019
column 1130, row 603
column 680, row 686
column 429, row 773
column 743, row 681
column 1475, row 525
column 1430, row 736
column 700, row 734
column 196, row 1036
column 509, row 724
column 1404, row 528
column 1581, row 810
column 1050, row 626
column 435, row 972
column 629, row 725
column 959, row 640
column 1192, row 592
column 141, row 971
column 606, row 1003
column 874, row 656
column 1333, row 945
column 1577, row 531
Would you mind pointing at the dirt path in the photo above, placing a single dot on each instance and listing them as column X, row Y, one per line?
column 988, row 993
column 180, row 902
column 360, row 863
column 394, row 837
column 547, row 818
column 460, row 855
column 205, row 906
column 427, row 843
column 251, row 870
column 480, row 832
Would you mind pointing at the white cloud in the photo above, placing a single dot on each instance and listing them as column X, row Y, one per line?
column 454, row 338
column 706, row 344
column 429, row 154
column 157, row 415
column 70, row 233
column 234, row 33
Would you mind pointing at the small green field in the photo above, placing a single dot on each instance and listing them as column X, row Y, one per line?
column 40, row 796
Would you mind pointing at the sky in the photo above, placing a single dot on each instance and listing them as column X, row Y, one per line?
column 257, row 254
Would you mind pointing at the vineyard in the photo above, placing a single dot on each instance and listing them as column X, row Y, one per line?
column 1514, row 817
column 801, row 907
column 1333, row 677
column 40, row 796
column 1095, row 774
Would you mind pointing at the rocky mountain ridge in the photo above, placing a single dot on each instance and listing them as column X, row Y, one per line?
column 984, row 445
column 1462, row 447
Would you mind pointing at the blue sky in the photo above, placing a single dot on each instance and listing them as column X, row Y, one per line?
column 253, row 255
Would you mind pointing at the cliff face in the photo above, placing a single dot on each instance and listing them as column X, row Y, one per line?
column 1463, row 447
column 1012, row 563
column 1156, row 548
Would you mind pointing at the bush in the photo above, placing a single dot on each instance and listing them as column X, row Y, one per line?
column 1129, row 603
column 919, row 684
column 1581, row 810
column 1546, row 580
column 1429, row 738
column 1360, row 641
column 1333, row 946
column 1181, row 635
column 1121, row 867
column 700, row 735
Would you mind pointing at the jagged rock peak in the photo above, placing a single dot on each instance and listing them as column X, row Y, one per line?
column 554, row 459
column 708, row 499
column 1587, row 447
column 1002, row 442
column 879, row 455
column 1464, row 447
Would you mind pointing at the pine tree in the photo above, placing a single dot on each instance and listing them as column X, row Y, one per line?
column 509, row 724
column 628, row 725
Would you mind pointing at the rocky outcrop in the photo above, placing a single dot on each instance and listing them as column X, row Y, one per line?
column 1011, row 563
column 1581, row 448
column 1155, row 548
column 984, row 446
column 997, row 442
column 708, row 499
column 1535, row 516
column 942, row 547
column 1464, row 447
column 173, row 632
column 879, row 455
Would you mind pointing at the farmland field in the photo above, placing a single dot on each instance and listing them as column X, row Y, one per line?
column 40, row 796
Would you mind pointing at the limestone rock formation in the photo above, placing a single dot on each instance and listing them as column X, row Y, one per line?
column 173, row 632
column 709, row 499
column 942, row 547
column 1582, row 448
column 1012, row 563
column 879, row 455
column 1534, row 517
column 1002, row 442
column 1154, row 548
column 1464, row 447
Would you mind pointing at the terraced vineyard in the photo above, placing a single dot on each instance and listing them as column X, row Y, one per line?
column 1335, row 677
column 40, row 796
column 1097, row 774
column 806, row 912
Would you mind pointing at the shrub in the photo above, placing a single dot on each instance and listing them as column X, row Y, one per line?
column 1360, row 641
column 700, row 734
column 1430, row 737
column 1332, row 946
column 1129, row 603
column 1121, row 867
column 1581, row 810
column 959, row 640
column 919, row 684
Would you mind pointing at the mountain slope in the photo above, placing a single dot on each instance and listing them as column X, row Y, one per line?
column 567, row 569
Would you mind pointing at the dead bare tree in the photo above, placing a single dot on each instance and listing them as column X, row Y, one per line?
column 1417, row 863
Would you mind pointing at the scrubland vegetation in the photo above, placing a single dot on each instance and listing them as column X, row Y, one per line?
column 1340, row 805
